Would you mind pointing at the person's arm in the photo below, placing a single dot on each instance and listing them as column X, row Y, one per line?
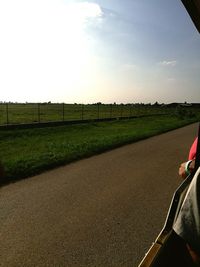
column 193, row 150
column 186, row 168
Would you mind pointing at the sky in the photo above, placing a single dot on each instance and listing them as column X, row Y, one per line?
column 130, row 51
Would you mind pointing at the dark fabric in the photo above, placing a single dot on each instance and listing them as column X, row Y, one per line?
column 173, row 253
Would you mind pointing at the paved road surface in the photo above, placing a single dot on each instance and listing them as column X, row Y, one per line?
column 101, row 211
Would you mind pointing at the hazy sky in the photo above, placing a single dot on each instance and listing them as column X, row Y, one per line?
column 105, row 50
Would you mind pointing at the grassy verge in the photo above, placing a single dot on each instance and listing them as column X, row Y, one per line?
column 31, row 151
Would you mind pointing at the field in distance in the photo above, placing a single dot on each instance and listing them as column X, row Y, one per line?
column 11, row 113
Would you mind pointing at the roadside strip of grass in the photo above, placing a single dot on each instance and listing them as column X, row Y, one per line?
column 26, row 152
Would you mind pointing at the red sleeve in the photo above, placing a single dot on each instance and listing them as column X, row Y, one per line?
column 193, row 149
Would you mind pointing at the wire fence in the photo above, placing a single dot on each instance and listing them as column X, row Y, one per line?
column 11, row 113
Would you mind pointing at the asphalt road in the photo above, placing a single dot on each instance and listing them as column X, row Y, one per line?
column 102, row 211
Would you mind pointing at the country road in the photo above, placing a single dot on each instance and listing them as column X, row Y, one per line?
column 102, row 211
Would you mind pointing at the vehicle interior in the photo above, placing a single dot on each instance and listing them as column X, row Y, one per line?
column 169, row 249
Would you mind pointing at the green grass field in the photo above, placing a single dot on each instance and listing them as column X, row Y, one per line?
column 44, row 112
column 30, row 151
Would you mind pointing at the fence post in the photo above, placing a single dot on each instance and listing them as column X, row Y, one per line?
column 63, row 111
column 98, row 111
column 39, row 112
column 7, row 118
column 110, row 110
column 130, row 111
column 82, row 110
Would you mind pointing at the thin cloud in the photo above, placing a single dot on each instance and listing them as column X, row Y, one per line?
column 171, row 80
column 87, row 10
column 129, row 67
column 170, row 63
column 109, row 13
